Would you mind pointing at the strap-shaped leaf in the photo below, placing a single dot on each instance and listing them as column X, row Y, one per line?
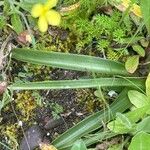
column 81, row 83
column 93, row 122
column 145, row 8
column 69, row 61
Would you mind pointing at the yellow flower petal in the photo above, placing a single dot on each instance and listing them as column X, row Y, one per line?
column 126, row 3
column 37, row 10
column 53, row 17
column 136, row 10
column 42, row 24
column 44, row 146
column 51, row 3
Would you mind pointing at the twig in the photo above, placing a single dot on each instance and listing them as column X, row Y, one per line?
column 146, row 63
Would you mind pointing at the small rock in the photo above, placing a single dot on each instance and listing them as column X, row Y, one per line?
column 112, row 93
column 50, row 124
column 33, row 137
column 20, row 123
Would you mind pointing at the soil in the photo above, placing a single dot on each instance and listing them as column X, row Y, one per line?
column 47, row 127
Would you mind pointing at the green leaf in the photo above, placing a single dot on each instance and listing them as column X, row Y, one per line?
column 120, row 127
column 98, row 137
column 145, row 8
column 117, row 127
column 137, row 114
column 144, row 42
column 16, row 23
column 2, row 22
column 5, row 100
column 79, row 145
column 144, row 125
column 139, row 50
column 69, row 61
column 131, row 40
column 28, row 4
column 81, row 83
column 124, row 120
column 92, row 123
column 148, row 86
column 140, row 141
column 98, row 93
column 137, row 99
column 132, row 63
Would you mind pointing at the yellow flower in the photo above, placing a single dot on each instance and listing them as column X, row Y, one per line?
column 47, row 16
column 126, row 3
column 135, row 8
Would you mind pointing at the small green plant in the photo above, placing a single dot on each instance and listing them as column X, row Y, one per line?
column 56, row 110
column 37, row 97
column 131, row 122
column 133, row 61
column 118, row 35
column 84, row 63
column 90, row 30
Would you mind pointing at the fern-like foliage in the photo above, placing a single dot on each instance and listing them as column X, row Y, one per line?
column 97, row 30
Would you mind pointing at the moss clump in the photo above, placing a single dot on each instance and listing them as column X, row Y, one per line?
column 112, row 55
column 10, row 135
column 25, row 104
column 87, row 100
column 39, row 72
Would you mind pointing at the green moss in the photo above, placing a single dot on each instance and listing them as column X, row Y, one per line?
column 26, row 105
column 87, row 100
column 10, row 135
column 113, row 55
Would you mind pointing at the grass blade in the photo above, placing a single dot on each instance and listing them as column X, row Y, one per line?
column 145, row 8
column 81, row 83
column 69, row 61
